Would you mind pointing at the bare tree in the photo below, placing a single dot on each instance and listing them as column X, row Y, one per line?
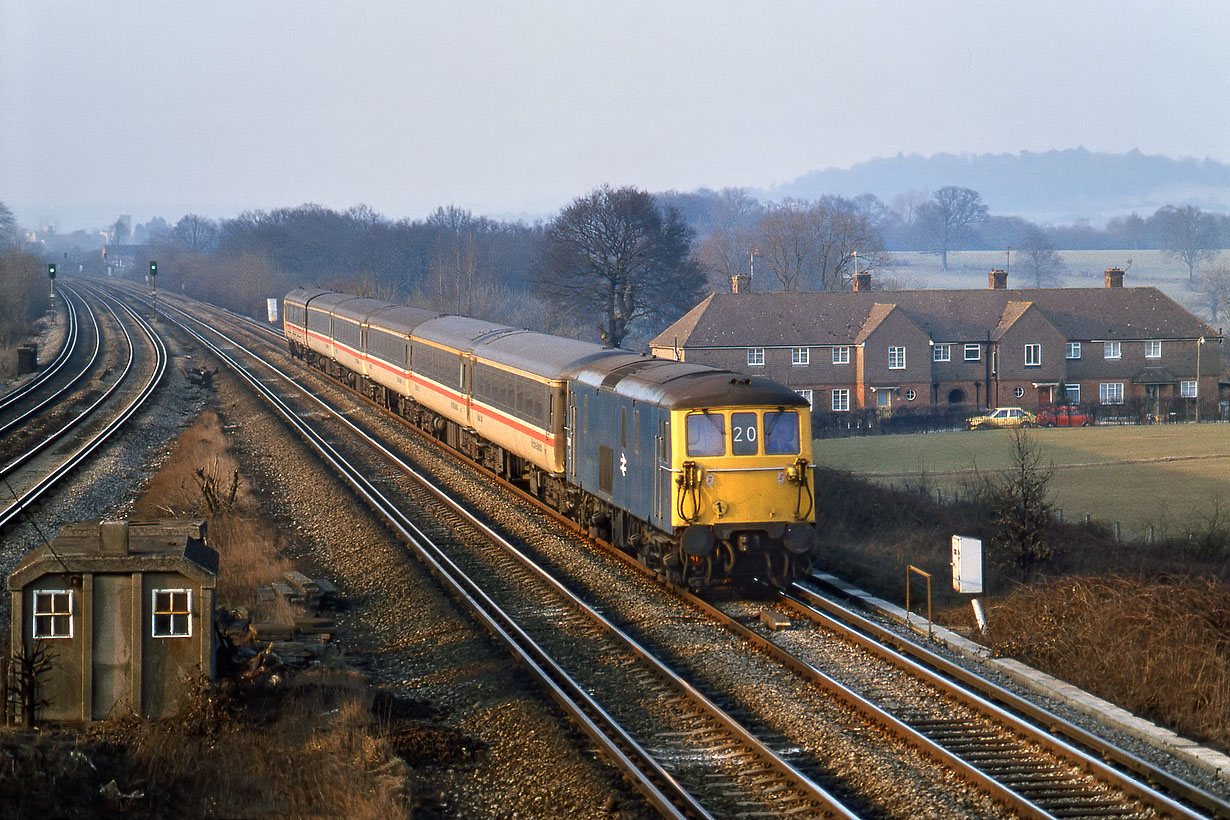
column 613, row 254
column 945, row 220
column 1215, row 290
column 196, row 233
column 1039, row 259
column 9, row 235
column 1020, row 507
column 811, row 245
column 1189, row 234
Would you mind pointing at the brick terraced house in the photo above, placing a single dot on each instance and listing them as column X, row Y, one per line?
column 925, row 349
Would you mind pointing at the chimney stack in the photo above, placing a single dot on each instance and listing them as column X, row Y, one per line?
column 113, row 537
column 1114, row 277
column 998, row 280
column 862, row 281
column 740, row 283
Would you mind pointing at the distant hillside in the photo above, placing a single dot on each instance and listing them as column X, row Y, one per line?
column 1051, row 187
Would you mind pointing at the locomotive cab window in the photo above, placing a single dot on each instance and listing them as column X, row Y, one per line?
column 744, row 434
column 781, row 432
column 706, row 434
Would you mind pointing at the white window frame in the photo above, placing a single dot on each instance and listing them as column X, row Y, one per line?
column 1111, row 392
column 44, row 623
column 841, row 354
column 1153, row 349
column 174, row 630
column 755, row 357
column 1112, row 350
column 976, row 350
column 1074, row 350
column 1073, row 392
column 1187, row 389
column 806, row 392
column 841, row 399
column 800, row 356
column 910, row 395
column 941, row 353
column 896, row 358
column 1018, row 391
column 1033, row 355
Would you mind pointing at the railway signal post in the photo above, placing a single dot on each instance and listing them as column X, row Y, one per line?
column 153, row 283
column 51, row 274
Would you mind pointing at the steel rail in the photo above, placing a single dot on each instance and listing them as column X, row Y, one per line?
column 25, row 500
column 71, row 338
column 81, row 374
column 867, row 632
column 578, row 703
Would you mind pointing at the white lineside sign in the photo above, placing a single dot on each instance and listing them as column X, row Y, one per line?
column 966, row 564
column 272, row 304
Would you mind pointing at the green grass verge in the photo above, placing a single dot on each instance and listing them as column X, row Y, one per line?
column 1165, row 476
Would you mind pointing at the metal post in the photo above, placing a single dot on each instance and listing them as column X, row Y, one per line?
column 924, row 574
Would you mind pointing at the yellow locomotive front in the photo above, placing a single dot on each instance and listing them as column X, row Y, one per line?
column 743, row 494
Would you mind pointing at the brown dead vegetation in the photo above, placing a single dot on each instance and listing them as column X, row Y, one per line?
column 312, row 743
column 1143, row 625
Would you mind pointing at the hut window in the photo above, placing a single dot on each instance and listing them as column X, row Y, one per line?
column 171, row 613
column 53, row 613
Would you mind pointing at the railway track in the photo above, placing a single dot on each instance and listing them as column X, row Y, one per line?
column 687, row 755
column 75, row 430
column 1033, row 783
column 72, row 339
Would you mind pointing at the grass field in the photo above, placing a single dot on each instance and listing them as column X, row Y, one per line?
column 1170, row 477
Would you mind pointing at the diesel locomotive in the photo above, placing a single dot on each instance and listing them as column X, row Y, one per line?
column 704, row 475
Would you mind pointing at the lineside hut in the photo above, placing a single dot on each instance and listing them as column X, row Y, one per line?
column 125, row 610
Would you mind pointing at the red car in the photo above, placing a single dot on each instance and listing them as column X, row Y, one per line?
column 1068, row 415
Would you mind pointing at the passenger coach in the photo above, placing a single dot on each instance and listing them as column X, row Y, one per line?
column 704, row 474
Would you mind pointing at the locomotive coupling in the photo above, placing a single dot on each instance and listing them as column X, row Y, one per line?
column 796, row 473
column 691, row 475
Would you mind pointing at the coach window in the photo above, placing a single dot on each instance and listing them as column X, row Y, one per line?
column 781, row 433
column 706, row 434
column 743, row 434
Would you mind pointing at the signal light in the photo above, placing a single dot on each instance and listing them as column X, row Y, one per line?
column 51, row 271
column 153, row 268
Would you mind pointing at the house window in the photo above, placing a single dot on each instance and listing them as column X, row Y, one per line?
column 1074, row 350
column 807, row 394
column 755, row 357
column 1033, row 355
column 973, row 353
column 800, row 356
column 1112, row 393
column 910, row 395
column 1074, row 393
column 841, row 399
column 941, row 353
column 1187, row 389
column 896, row 358
column 1018, row 391
column 1153, row 350
column 171, row 613
column 1110, row 350
column 53, row 613
column 841, row 355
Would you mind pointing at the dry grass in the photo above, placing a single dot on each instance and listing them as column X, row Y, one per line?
column 202, row 479
column 313, row 745
column 1159, row 647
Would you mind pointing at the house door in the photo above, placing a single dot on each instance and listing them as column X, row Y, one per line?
column 884, row 402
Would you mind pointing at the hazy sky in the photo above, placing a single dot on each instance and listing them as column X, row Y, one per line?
column 112, row 107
